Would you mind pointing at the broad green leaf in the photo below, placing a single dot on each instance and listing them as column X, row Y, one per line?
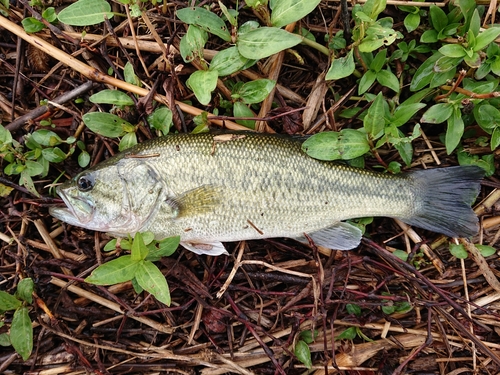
column 241, row 110
column 474, row 61
column 105, row 124
column 374, row 121
column 113, row 272
column 353, row 309
column 475, row 25
column 388, row 309
column 438, row 17
column 452, row 50
column 54, row 155
column 455, row 131
column 164, row 248
column 25, row 290
column 202, row 83
column 161, row 119
column 388, row 79
column 26, row 180
column 83, row 159
column 366, row 81
column 288, row 11
column 405, row 150
column 46, row 137
column 405, row 112
column 206, row 20
column 346, row 144
column 50, row 14
column 114, row 97
column 379, row 61
column 228, row 61
column 33, row 168
column 485, row 250
column 32, row 25
column 458, row 251
column 348, row 334
column 445, row 64
column 438, row 113
column 192, row 43
column 486, row 37
column 5, row 136
column 429, row 36
column 403, row 255
column 5, row 339
column 265, row 41
column 256, row 91
column 8, row 302
column 110, row 246
column 152, row 280
column 307, row 336
column 85, row 13
column 495, row 139
column 411, row 22
column 139, row 248
column 341, row 67
column 130, row 76
column 303, row 353
column 21, row 333
column 487, row 116
column 374, row 7
column 128, row 140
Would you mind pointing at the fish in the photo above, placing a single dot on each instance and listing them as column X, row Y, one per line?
column 214, row 188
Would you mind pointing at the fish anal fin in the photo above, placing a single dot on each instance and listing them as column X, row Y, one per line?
column 340, row 236
column 205, row 248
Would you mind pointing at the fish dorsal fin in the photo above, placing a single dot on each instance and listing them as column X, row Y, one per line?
column 206, row 248
column 340, row 236
column 195, row 201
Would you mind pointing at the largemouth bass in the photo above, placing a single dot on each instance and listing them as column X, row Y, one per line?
column 210, row 189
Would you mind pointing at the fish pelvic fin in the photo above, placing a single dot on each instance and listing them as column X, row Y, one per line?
column 206, row 248
column 340, row 236
column 444, row 198
column 200, row 200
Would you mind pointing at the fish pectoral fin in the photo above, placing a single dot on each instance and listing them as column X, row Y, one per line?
column 195, row 201
column 205, row 248
column 341, row 236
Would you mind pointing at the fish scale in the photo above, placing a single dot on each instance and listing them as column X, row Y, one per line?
column 228, row 187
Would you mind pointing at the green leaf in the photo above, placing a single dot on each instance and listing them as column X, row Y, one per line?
column 388, row 309
column 85, row 13
column 110, row 246
column 202, row 83
column 374, row 121
column 26, row 180
column 405, row 150
column 5, row 339
column 403, row 255
column 346, row 144
column 114, row 97
column 228, row 61
column 8, row 302
column 404, row 112
column 474, row 61
column 130, row 76
column 486, row 37
column 303, row 353
column 455, row 131
column 206, row 20
column 446, row 64
column 33, row 168
column 152, row 280
column 411, row 22
column 49, row 14
column 32, row 25
column 25, row 290
column 453, row 50
column 54, row 155
column 83, row 159
column 429, row 36
column 241, row 110
column 438, row 113
column 485, row 250
column 379, row 61
column 458, row 251
column 21, row 333
column 139, row 248
column 353, row 309
column 438, row 17
column 105, row 124
column 495, row 139
column 341, row 67
column 366, row 81
column 307, row 336
column 475, row 25
column 256, row 91
column 128, row 140
column 424, row 73
column 115, row 271
column 288, row 11
column 192, row 43
column 161, row 119
column 164, row 248
column 46, row 137
column 374, row 7
column 487, row 116
column 348, row 334
column 265, row 41
column 388, row 79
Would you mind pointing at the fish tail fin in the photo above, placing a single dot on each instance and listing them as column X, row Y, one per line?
column 444, row 198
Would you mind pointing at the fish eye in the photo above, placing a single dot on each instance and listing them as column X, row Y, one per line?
column 85, row 182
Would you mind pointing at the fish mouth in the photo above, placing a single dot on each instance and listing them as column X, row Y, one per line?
column 78, row 211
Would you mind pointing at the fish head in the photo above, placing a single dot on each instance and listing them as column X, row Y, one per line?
column 119, row 198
